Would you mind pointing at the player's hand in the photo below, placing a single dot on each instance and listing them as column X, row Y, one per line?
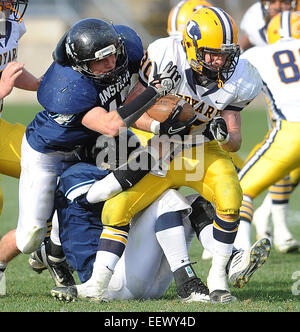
column 172, row 126
column 218, row 128
column 9, row 75
column 166, row 81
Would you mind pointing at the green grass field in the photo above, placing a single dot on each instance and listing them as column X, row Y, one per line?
column 268, row 291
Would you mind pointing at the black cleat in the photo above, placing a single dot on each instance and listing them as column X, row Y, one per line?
column 58, row 267
column 190, row 288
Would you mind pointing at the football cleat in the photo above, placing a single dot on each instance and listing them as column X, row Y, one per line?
column 190, row 288
column 286, row 246
column 193, row 291
column 66, row 294
column 58, row 267
column 95, row 289
column 244, row 263
column 221, row 296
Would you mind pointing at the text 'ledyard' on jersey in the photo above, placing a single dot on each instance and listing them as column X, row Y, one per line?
column 279, row 67
column 208, row 102
column 66, row 96
column 254, row 26
column 9, row 45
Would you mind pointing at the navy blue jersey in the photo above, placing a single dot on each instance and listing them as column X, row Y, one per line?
column 67, row 95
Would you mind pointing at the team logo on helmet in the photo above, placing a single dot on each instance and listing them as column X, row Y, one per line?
column 193, row 30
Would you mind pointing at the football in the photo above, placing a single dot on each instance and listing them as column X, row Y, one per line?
column 165, row 105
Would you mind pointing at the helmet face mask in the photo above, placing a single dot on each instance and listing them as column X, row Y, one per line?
column 211, row 33
column 269, row 13
column 94, row 40
column 16, row 8
column 205, row 57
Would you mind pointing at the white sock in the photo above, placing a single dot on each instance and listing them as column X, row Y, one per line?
column 173, row 244
column 280, row 218
column 54, row 236
column 106, row 258
column 217, row 278
column 206, row 238
column 243, row 236
column 104, row 189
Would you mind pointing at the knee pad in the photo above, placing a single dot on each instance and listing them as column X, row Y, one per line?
column 203, row 214
column 29, row 241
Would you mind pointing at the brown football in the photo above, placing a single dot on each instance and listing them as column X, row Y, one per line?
column 164, row 106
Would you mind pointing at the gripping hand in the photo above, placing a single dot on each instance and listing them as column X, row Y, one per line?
column 172, row 126
column 166, row 81
column 218, row 128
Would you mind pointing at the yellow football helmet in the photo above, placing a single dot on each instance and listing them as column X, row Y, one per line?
column 266, row 5
column 180, row 14
column 284, row 25
column 211, row 31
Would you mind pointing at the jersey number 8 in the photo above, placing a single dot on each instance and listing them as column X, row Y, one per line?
column 294, row 72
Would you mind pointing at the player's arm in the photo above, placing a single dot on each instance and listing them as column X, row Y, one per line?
column 10, row 74
column 106, row 123
column 145, row 121
column 233, row 122
column 109, row 123
column 226, row 130
column 27, row 81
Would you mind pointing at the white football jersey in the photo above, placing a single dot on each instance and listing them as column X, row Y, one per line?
column 253, row 24
column 279, row 67
column 9, row 44
column 243, row 86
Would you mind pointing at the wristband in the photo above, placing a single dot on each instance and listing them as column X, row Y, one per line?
column 155, row 127
column 132, row 111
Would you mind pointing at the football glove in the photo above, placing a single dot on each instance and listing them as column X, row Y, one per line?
column 167, row 80
column 172, row 126
column 218, row 128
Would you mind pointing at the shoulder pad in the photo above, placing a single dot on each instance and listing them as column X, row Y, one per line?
column 133, row 45
column 59, row 54
column 63, row 90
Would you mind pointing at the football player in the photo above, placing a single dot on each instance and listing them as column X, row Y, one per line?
column 13, row 74
column 81, row 93
column 178, row 17
column 276, row 156
column 254, row 25
column 218, row 86
column 154, row 264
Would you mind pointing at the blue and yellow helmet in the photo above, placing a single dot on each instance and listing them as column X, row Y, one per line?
column 284, row 25
column 211, row 30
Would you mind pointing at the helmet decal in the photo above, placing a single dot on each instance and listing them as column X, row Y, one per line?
column 193, row 30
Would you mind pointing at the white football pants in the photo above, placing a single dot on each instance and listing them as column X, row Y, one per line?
column 38, row 180
column 143, row 271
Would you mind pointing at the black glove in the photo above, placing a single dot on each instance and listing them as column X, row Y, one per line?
column 218, row 128
column 172, row 126
column 168, row 79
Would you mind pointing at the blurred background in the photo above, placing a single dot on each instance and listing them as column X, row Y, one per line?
column 46, row 21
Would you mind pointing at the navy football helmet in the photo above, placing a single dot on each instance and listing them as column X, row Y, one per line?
column 94, row 39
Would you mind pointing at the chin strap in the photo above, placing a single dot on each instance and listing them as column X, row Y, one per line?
column 220, row 82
